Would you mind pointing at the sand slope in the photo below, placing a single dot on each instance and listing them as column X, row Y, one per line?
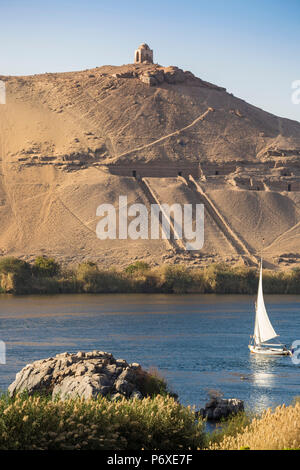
column 57, row 131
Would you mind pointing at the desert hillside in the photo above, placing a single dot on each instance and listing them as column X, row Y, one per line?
column 72, row 141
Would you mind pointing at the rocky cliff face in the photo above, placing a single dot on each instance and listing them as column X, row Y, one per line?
column 61, row 135
column 79, row 119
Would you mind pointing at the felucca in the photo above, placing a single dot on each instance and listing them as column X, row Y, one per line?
column 263, row 329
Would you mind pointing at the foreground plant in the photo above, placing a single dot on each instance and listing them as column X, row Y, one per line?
column 231, row 426
column 39, row 423
column 274, row 430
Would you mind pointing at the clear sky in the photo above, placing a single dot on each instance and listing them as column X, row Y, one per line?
column 251, row 47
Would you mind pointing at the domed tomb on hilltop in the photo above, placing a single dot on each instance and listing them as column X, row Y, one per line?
column 143, row 54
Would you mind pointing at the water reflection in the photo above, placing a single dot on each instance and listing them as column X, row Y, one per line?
column 263, row 379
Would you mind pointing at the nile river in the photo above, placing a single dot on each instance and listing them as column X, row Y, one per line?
column 198, row 342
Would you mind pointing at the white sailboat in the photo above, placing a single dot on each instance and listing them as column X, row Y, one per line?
column 263, row 329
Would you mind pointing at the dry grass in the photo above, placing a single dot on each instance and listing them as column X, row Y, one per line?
column 274, row 430
column 39, row 423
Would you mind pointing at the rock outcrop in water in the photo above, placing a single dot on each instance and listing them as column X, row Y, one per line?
column 220, row 408
column 85, row 374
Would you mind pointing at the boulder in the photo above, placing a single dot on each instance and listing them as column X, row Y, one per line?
column 221, row 408
column 84, row 374
column 136, row 394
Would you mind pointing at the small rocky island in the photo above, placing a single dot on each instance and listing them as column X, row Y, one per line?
column 85, row 374
column 219, row 408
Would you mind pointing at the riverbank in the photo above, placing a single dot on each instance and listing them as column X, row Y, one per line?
column 46, row 276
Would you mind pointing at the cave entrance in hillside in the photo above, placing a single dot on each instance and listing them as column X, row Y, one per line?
column 134, row 173
column 179, row 173
column 216, row 173
column 289, row 187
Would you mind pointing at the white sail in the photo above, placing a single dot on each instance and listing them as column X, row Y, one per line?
column 263, row 330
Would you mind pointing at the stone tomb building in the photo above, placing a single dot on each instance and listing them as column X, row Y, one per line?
column 143, row 54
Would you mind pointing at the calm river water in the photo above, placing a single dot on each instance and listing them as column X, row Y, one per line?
column 198, row 342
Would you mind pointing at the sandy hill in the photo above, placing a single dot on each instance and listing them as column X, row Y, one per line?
column 71, row 141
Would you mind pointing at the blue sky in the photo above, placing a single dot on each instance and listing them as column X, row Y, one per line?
column 250, row 47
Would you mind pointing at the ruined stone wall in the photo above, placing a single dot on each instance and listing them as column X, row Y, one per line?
column 283, row 184
column 271, row 184
column 154, row 171
column 216, row 175
column 210, row 169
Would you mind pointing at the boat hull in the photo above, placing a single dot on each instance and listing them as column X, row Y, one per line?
column 268, row 351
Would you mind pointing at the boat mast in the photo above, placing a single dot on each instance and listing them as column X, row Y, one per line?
column 256, row 339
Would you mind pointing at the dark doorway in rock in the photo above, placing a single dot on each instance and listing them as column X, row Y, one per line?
column 134, row 173
column 216, row 173
column 179, row 173
column 289, row 187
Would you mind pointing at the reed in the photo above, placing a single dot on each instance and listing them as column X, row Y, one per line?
column 37, row 423
column 274, row 430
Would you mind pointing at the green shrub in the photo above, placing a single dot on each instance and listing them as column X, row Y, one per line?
column 87, row 275
column 137, row 267
column 153, row 383
column 11, row 265
column 229, row 427
column 211, row 273
column 45, row 267
column 275, row 282
column 154, row 424
column 223, row 279
column 293, row 281
column 92, row 280
column 177, row 279
column 15, row 275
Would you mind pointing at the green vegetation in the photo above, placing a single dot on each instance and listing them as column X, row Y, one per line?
column 153, row 383
column 231, row 426
column 152, row 423
column 15, row 275
column 138, row 266
column 46, row 276
column 45, row 267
